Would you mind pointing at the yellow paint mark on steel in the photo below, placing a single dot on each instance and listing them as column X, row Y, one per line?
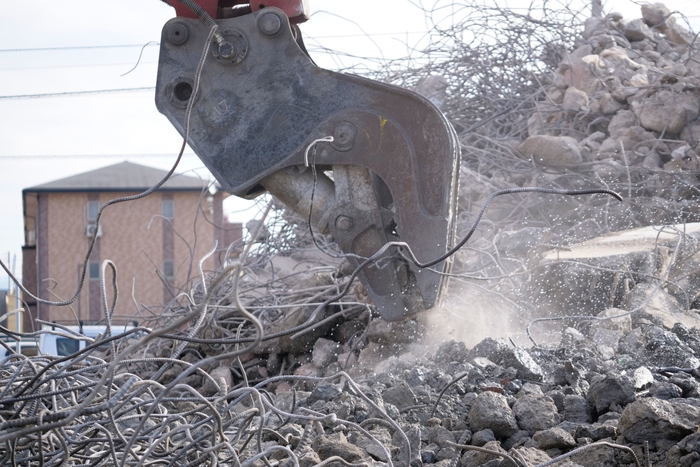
column 382, row 122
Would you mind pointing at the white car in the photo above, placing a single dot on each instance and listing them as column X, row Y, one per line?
column 26, row 347
column 62, row 345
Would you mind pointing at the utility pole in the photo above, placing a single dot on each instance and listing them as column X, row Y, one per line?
column 597, row 9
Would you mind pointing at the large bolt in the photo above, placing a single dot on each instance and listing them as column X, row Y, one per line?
column 269, row 23
column 226, row 50
column 177, row 34
column 344, row 222
column 343, row 137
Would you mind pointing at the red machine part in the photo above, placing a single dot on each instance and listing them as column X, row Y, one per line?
column 296, row 10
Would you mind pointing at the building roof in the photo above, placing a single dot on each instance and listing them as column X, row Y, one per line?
column 125, row 176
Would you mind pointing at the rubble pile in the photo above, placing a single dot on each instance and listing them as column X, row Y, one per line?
column 627, row 96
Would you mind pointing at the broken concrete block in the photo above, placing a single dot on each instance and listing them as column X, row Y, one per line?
column 479, row 459
column 656, row 15
column 668, row 111
column 490, row 410
column 651, row 419
column 577, row 409
column 400, row 395
column 554, row 437
column 574, row 100
column 604, row 272
column 620, row 122
column 610, row 391
column 552, row 151
column 536, row 412
column 679, row 35
column 325, row 352
column 637, row 30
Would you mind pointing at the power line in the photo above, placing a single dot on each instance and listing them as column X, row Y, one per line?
column 83, row 65
column 78, row 47
column 118, row 46
column 75, row 93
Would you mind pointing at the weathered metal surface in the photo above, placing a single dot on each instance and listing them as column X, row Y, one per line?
column 256, row 116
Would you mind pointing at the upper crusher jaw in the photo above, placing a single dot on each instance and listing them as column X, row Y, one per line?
column 394, row 157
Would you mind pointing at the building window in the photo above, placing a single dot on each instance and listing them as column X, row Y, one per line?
column 94, row 269
column 168, row 269
column 168, row 209
column 93, row 208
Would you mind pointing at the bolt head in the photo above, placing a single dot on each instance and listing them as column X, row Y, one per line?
column 344, row 222
column 227, row 50
column 269, row 24
column 343, row 137
column 178, row 34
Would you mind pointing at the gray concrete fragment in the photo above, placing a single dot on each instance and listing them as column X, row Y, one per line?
column 536, row 413
column 554, row 438
column 482, row 437
column 400, row 395
column 658, row 16
column 490, row 410
column 325, row 352
column 574, row 100
column 480, row 459
column 668, row 111
column 337, row 445
column 554, row 151
column 637, row 30
column 652, row 419
column 610, row 391
column 441, row 436
column 577, row 409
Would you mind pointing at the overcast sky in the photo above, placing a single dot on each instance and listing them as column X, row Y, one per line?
column 87, row 45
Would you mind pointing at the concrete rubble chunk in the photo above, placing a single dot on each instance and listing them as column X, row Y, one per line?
column 658, row 16
column 665, row 390
column 400, row 395
column 521, row 360
column 620, row 122
column 581, row 279
column 536, row 412
column 325, row 352
column 607, row 392
column 554, row 151
column 668, row 111
column 506, row 355
column 652, row 419
column 637, row 30
column 482, row 437
column 577, row 409
column 337, row 445
column 596, row 431
column 574, row 99
column 596, row 458
column 679, row 35
column 608, row 104
column 441, row 436
column 643, row 378
column 532, row 456
column 324, row 392
column 554, row 438
column 491, row 410
column 481, row 459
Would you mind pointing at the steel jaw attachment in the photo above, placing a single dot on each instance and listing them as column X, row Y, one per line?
column 392, row 164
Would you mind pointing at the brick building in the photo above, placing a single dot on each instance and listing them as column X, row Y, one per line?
column 156, row 242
